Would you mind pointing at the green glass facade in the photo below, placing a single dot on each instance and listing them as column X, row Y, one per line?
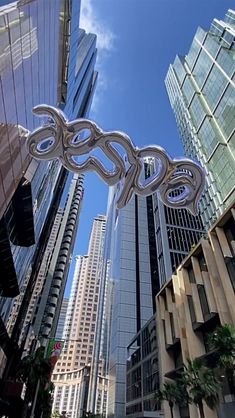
column 201, row 89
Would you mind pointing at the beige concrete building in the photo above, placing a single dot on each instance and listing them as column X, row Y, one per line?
column 71, row 389
column 198, row 298
column 81, row 318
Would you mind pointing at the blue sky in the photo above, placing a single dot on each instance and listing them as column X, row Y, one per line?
column 137, row 40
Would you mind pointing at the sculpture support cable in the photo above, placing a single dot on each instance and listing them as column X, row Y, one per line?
column 180, row 182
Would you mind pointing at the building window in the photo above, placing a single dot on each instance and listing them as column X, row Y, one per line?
column 164, row 330
column 230, row 263
column 172, row 326
column 191, row 275
column 202, row 262
column 203, row 301
column 191, row 309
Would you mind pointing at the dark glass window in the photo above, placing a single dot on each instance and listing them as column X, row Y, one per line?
column 203, row 301
column 230, row 263
column 202, row 262
column 172, row 326
column 164, row 329
column 191, row 275
column 191, row 309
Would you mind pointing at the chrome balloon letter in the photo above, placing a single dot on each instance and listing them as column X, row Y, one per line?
column 180, row 182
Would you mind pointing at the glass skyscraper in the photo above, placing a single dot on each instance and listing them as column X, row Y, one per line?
column 177, row 231
column 61, row 320
column 201, row 89
column 132, row 283
column 45, row 58
column 29, row 75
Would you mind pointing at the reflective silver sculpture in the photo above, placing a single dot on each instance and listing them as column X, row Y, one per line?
column 180, row 182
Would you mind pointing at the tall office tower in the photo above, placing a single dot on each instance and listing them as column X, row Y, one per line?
column 70, row 315
column 61, row 320
column 131, row 270
column 201, row 90
column 50, row 299
column 53, row 269
column 177, row 231
column 66, row 78
column 27, row 188
column 80, row 326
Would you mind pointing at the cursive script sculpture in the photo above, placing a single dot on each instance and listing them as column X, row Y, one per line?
column 180, row 182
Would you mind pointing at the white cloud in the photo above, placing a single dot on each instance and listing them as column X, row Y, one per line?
column 90, row 21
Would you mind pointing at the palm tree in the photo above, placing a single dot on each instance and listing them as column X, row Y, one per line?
column 44, row 401
column 173, row 393
column 222, row 340
column 32, row 369
column 201, row 384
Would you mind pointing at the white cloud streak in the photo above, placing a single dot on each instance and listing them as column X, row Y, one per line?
column 90, row 21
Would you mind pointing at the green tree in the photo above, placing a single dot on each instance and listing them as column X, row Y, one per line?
column 202, row 385
column 55, row 414
column 222, row 340
column 32, row 369
column 174, row 393
column 44, row 401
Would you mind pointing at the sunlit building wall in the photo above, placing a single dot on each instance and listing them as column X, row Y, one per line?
column 83, row 305
column 81, row 323
column 197, row 299
column 71, row 393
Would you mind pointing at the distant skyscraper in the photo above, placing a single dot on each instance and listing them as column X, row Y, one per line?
column 81, row 323
column 202, row 95
column 61, row 320
column 133, row 282
column 176, row 232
